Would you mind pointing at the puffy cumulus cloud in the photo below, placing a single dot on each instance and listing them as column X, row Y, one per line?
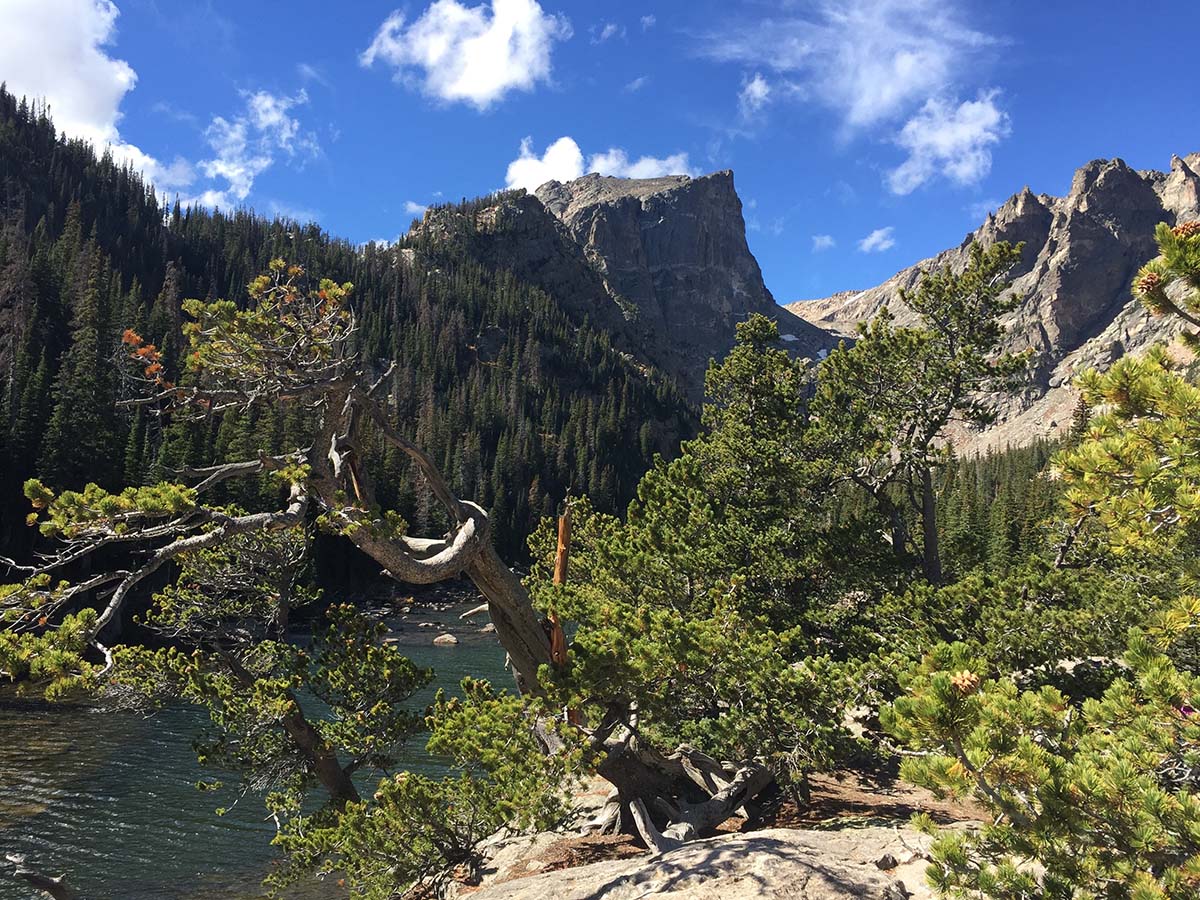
column 870, row 61
column 413, row 208
column 754, row 95
column 950, row 140
column 472, row 55
column 56, row 50
column 247, row 145
column 564, row 161
column 648, row 22
column 269, row 114
column 878, row 240
column 822, row 242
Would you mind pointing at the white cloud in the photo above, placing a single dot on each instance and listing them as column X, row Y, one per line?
column 475, row 54
column 868, row 60
column 301, row 214
column 55, row 50
column 823, row 242
column 755, row 94
column 606, row 31
column 878, row 240
column 269, row 112
column 949, row 140
column 246, row 146
column 616, row 162
column 413, row 208
column 637, row 84
column 648, row 22
column 309, row 72
column 564, row 161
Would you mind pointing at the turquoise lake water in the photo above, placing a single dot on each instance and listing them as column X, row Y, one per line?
column 109, row 798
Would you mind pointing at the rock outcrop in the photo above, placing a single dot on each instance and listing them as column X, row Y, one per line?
column 661, row 264
column 772, row 864
column 1081, row 253
column 672, row 253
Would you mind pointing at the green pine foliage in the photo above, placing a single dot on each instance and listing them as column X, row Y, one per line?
column 517, row 400
column 1097, row 800
column 1092, row 798
column 991, row 507
column 417, row 829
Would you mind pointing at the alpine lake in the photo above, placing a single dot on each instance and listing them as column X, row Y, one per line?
column 110, row 799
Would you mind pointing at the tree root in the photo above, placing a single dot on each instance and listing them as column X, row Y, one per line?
column 668, row 800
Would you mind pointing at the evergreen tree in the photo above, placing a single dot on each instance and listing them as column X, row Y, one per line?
column 883, row 403
column 81, row 436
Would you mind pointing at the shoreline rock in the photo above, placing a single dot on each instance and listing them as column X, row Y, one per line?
column 772, row 864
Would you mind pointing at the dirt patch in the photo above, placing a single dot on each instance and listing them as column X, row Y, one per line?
column 567, row 852
column 864, row 797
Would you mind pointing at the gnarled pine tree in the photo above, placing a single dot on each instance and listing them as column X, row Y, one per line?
column 289, row 347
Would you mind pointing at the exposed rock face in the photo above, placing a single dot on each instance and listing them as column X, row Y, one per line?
column 1081, row 253
column 672, row 253
column 661, row 264
column 775, row 863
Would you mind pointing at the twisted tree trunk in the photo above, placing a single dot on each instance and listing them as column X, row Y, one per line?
column 466, row 550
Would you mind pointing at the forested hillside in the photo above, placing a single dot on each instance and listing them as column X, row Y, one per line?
column 516, row 400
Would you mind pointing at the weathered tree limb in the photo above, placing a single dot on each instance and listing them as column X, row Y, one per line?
column 608, row 819
column 57, row 888
column 655, row 839
column 665, row 783
column 466, row 550
column 693, row 819
column 226, row 527
column 214, row 475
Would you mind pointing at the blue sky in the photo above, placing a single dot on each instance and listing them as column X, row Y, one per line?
column 863, row 134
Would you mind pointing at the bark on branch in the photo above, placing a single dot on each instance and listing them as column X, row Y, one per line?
column 57, row 888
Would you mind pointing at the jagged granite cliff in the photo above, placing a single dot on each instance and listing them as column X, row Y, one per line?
column 674, row 250
column 1081, row 253
column 661, row 263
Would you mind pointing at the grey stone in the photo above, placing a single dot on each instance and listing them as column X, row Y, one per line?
column 764, row 865
column 1077, row 311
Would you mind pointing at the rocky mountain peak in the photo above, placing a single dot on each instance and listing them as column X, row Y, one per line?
column 674, row 251
column 662, row 264
column 1081, row 253
column 1180, row 189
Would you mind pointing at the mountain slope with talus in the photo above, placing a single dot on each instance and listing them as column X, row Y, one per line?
column 1076, row 312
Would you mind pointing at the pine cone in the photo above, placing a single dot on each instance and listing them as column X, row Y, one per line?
column 1187, row 229
column 1149, row 282
column 965, row 682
